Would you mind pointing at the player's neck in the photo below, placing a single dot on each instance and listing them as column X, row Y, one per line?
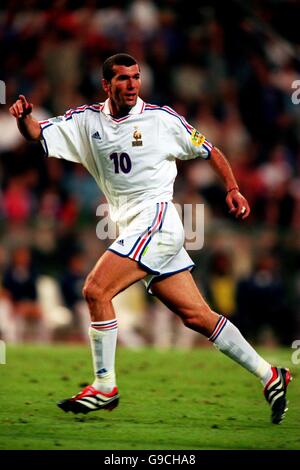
column 118, row 112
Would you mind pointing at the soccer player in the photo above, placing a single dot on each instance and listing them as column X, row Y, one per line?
column 130, row 148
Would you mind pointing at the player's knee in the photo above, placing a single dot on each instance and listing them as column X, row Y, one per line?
column 88, row 291
column 93, row 291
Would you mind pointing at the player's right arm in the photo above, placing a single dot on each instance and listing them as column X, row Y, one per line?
column 28, row 125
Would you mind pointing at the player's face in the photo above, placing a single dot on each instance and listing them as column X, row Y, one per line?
column 123, row 89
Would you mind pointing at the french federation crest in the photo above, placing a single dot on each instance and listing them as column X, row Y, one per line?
column 137, row 135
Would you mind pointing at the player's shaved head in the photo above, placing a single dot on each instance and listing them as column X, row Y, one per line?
column 117, row 59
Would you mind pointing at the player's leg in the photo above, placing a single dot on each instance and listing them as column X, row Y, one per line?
column 180, row 293
column 111, row 275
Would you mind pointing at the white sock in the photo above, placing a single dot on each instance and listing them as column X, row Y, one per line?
column 228, row 339
column 103, row 339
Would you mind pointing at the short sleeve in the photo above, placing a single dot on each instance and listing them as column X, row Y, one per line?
column 61, row 138
column 190, row 143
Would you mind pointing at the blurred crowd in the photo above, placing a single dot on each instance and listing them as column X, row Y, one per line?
column 232, row 77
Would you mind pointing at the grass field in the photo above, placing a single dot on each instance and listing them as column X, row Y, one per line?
column 169, row 400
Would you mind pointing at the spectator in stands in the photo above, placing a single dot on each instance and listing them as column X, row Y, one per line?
column 20, row 285
column 262, row 302
column 71, row 284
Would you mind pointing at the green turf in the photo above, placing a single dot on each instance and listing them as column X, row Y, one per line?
column 169, row 400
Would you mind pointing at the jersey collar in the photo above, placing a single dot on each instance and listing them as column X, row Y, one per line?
column 137, row 109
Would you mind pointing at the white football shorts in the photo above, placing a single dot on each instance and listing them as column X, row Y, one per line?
column 154, row 238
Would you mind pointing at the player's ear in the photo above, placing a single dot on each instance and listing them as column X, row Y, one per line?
column 105, row 85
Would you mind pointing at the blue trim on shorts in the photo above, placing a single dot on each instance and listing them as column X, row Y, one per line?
column 163, row 217
column 155, row 231
column 145, row 231
column 149, row 270
column 165, row 275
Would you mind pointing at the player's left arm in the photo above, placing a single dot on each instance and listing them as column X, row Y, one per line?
column 189, row 143
column 237, row 203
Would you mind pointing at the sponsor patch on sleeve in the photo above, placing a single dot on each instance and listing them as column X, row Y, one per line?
column 197, row 139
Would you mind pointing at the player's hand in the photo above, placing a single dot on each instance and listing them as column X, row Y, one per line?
column 21, row 108
column 238, row 205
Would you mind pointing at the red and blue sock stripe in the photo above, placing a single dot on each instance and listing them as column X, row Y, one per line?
column 218, row 328
column 105, row 325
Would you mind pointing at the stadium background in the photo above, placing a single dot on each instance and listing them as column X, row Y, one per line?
column 231, row 76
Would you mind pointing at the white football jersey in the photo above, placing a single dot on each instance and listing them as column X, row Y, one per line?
column 132, row 158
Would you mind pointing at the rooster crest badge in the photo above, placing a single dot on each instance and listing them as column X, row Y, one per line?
column 137, row 135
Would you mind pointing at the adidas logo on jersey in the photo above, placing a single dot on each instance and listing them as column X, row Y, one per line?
column 96, row 135
column 121, row 242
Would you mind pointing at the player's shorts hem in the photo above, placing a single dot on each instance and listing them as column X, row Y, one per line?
column 160, row 277
column 146, row 268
